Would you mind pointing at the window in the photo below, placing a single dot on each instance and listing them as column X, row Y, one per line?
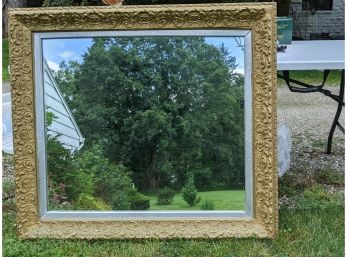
column 315, row 5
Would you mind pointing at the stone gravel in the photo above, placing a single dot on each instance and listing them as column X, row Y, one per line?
column 309, row 117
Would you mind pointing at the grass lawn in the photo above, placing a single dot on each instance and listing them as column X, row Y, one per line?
column 223, row 200
column 307, row 232
column 310, row 225
column 315, row 77
column 5, row 60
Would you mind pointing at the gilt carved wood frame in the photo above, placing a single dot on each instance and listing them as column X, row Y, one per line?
column 260, row 19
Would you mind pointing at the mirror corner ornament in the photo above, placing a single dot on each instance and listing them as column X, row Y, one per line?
column 259, row 18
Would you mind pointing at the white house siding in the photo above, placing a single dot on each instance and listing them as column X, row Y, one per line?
column 64, row 124
column 323, row 21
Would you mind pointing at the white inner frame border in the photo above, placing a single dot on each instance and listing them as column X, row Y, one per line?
column 140, row 215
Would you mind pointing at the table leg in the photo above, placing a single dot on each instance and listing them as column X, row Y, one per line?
column 337, row 116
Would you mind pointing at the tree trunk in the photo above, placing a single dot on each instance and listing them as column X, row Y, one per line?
column 5, row 6
column 152, row 170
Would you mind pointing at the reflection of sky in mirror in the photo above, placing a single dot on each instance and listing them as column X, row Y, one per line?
column 234, row 45
column 68, row 49
column 72, row 49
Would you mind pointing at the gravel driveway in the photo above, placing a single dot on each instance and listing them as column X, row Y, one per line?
column 309, row 117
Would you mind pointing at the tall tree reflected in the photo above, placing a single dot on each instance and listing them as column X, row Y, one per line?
column 161, row 116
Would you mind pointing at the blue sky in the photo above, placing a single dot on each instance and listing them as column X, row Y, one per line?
column 68, row 49
column 233, row 48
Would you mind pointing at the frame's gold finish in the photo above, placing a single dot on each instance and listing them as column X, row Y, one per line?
column 259, row 18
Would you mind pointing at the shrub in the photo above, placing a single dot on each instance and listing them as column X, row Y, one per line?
column 121, row 201
column 112, row 182
column 139, row 201
column 92, row 181
column 56, row 194
column 165, row 196
column 62, row 169
column 88, row 202
column 132, row 200
column 208, row 205
column 189, row 192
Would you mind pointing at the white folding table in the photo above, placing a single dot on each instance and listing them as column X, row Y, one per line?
column 323, row 55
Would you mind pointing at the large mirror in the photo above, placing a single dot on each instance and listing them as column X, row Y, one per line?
column 153, row 121
column 145, row 122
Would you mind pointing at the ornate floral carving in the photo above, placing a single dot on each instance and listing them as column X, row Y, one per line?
column 259, row 18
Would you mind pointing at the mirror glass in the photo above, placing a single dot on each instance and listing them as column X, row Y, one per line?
column 145, row 123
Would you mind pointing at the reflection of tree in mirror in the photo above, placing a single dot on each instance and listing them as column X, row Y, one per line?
column 164, row 108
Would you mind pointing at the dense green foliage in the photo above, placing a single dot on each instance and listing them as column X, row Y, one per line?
column 190, row 192
column 165, row 196
column 88, row 202
column 64, row 183
column 89, row 179
column 109, row 179
column 120, row 201
column 163, row 107
column 139, row 201
column 86, row 178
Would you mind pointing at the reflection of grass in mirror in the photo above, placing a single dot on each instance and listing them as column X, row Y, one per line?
column 223, row 200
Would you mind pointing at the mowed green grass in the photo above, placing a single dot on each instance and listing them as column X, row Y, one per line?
column 5, row 60
column 303, row 233
column 314, row 77
column 223, row 200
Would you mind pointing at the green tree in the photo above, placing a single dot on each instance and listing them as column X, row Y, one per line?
column 164, row 107
column 190, row 192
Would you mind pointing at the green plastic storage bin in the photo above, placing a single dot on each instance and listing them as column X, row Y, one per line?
column 284, row 30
